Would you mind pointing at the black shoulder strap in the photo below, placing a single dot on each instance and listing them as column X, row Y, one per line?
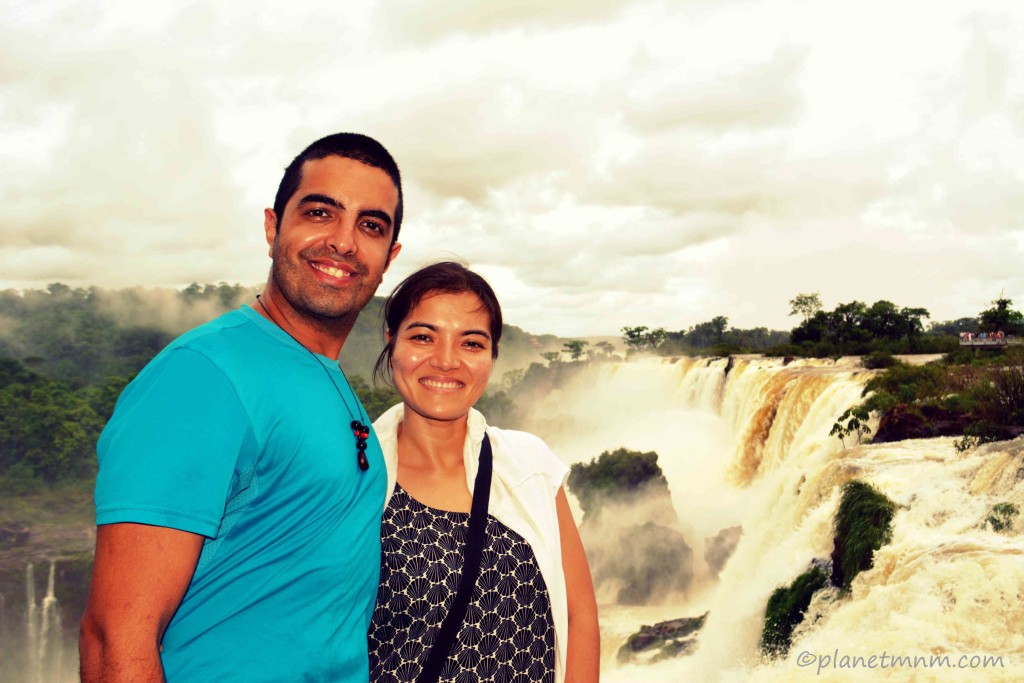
column 470, row 569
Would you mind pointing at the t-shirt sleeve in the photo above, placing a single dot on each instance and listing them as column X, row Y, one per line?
column 168, row 453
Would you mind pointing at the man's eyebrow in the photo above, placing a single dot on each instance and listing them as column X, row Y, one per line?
column 321, row 199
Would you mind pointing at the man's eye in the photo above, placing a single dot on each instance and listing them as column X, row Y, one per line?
column 317, row 213
column 420, row 337
column 374, row 226
column 475, row 344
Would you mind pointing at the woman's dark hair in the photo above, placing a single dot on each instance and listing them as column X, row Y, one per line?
column 446, row 277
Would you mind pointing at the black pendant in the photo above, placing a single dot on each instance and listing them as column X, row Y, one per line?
column 361, row 432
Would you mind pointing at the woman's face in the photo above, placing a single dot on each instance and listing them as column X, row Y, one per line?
column 442, row 355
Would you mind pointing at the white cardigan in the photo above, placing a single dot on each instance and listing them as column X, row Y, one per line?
column 525, row 478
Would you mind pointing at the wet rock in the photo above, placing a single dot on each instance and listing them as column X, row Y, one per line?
column 14, row 535
column 672, row 638
column 720, row 547
column 919, row 422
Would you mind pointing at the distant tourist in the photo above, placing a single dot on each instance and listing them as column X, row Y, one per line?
column 471, row 589
column 240, row 489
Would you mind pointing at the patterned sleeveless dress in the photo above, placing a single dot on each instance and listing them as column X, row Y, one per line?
column 508, row 635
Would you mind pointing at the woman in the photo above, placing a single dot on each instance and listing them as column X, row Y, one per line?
column 532, row 615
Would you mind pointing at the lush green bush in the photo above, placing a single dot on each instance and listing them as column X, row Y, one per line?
column 786, row 609
column 878, row 360
column 618, row 474
column 1001, row 516
column 862, row 525
column 48, row 429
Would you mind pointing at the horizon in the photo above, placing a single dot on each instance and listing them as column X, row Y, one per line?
column 155, row 289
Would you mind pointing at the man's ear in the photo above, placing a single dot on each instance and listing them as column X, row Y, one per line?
column 395, row 248
column 270, row 228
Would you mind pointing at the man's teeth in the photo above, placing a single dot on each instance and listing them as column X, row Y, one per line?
column 333, row 272
column 440, row 385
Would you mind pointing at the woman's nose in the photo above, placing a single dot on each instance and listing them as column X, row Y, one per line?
column 445, row 358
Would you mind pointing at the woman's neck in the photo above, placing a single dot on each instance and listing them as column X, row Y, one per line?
column 436, row 443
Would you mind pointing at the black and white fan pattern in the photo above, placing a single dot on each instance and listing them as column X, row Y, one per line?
column 508, row 634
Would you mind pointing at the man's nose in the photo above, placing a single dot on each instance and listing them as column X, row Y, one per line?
column 342, row 237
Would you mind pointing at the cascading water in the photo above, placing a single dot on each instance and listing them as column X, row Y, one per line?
column 751, row 447
column 43, row 629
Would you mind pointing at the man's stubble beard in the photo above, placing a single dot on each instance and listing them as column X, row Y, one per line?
column 322, row 306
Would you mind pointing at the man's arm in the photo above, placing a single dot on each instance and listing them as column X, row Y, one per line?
column 583, row 651
column 139, row 578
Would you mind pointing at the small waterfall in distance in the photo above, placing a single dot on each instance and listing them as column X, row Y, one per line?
column 43, row 629
column 751, row 447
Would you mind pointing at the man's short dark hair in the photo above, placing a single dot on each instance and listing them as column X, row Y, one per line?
column 361, row 148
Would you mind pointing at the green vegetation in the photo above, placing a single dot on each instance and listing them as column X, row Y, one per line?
column 642, row 338
column 855, row 328
column 863, row 524
column 574, row 347
column 1001, row 516
column 643, row 552
column 853, row 422
column 48, row 428
column 786, row 609
column 621, row 474
column 1001, row 318
column 980, row 397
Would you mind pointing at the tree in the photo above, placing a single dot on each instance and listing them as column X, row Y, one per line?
column 1002, row 318
column 551, row 356
column 642, row 338
column 635, row 338
column 805, row 305
column 655, row 338
column 607, row 348
column 574, row 347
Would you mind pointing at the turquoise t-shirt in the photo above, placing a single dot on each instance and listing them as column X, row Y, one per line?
column 236, row 432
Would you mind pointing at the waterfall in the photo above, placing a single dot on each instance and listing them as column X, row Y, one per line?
column 43, row 628
column 751, row 447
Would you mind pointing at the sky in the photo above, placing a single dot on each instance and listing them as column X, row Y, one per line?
column 602, row 162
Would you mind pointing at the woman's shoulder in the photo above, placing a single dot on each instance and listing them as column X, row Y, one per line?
column 525, row 451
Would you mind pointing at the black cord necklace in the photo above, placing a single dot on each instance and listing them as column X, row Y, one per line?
column 359, row 428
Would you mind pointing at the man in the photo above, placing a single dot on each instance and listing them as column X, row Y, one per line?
column 239, row 497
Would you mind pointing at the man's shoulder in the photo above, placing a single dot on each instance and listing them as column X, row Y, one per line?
column 222, row 343
column 223, row 332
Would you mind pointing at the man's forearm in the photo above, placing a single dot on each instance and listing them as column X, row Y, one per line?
column 117, row 658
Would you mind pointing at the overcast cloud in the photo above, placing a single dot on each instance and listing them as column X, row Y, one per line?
column 603, row 162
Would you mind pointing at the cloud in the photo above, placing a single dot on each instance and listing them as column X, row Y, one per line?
column 420, row 22
column 669, row 160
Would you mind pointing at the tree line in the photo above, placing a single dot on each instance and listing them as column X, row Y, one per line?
column 852, row 328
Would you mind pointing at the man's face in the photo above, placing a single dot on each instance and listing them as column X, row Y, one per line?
column 332, row 245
